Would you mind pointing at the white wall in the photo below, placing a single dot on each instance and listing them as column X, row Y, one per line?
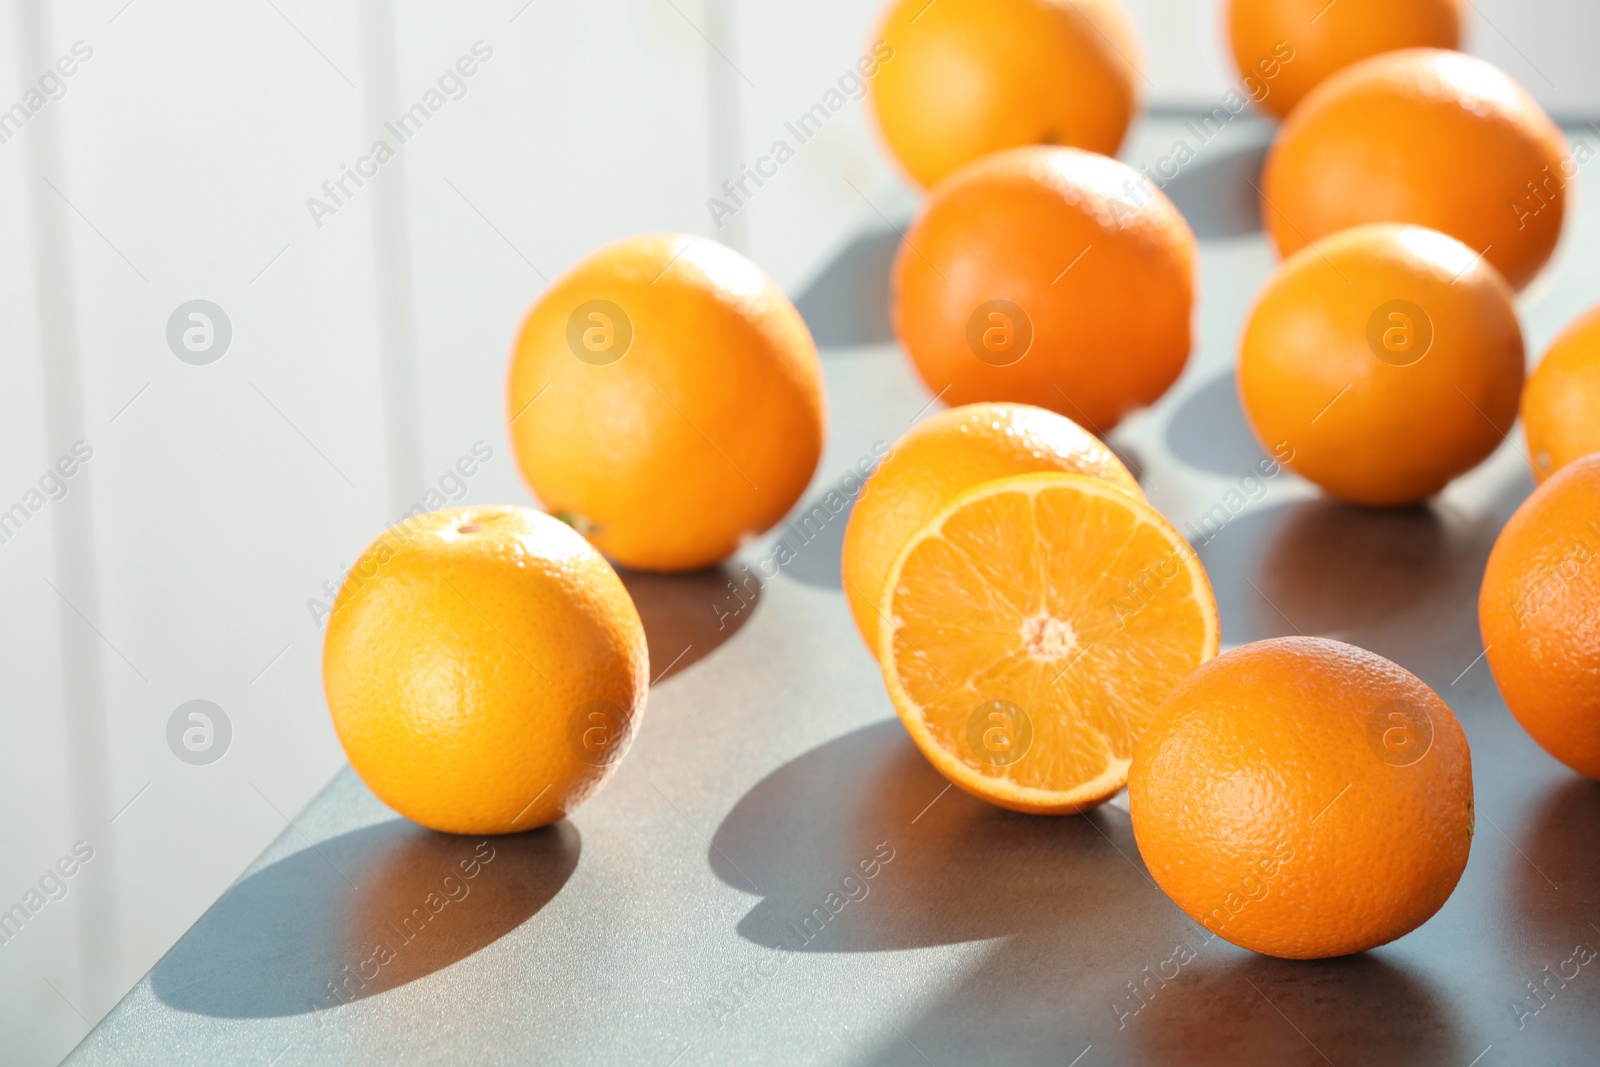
column 174, row 168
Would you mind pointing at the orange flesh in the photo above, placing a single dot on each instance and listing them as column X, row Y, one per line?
column 1063, row 597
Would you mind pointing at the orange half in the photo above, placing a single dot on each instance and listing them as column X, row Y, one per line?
column 1029, row 632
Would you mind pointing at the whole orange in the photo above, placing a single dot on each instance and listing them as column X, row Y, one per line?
column 1048, row 276
column 666, row 400
column 1432, row 137
column 1539, row 610
column 1289, row 47
column 485, row 669
column 960, row 79
column 1388, row 358
column 1304, row 798
column 1561, row 403
column 938, row 459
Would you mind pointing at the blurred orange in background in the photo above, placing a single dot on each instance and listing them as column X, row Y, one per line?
column 1561, row 404
column 1431, row 137
column 1324, row 38
column 971, row 77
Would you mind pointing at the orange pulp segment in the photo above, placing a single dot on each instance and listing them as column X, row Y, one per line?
column 1029, row 632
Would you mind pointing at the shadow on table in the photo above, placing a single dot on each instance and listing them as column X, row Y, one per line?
column 1256, row 1010
column 1216, row 194
column 358, row 915
column 688, row 616
column 1403, row 583
column 869, row 798
column 1555, row 883
column 1209, row 430
column 815, row 536
column 1546, row 919
column 859, row 846
column 848, row 301
column 1319, row 567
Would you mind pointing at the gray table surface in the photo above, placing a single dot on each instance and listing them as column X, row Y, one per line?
column 651, row 928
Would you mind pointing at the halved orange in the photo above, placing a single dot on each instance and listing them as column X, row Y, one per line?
column 1031, row 629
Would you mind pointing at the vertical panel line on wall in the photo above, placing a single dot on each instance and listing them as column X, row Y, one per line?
column 392, row 280
column 72, row 522
column 724, row 86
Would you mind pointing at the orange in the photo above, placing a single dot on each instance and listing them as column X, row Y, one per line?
column 941, row 456
column 1539, row 610
column 1436, row 138
column 1561, row 404
column 959, row 79
column 1388, row 358
column 666, row 400
column 1029, row 631
column 1291, row 46
column 485, row 669
column 1304, row 798
column 1048, row 276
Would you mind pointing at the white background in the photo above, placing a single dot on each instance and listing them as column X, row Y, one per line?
column 368, row 354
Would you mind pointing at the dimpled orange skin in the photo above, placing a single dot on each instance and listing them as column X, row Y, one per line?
column 1365, row 430
column 967, row 78
column 1101, row 263
column 462, row 649
column 938, row 459
column 1426, row 136
column 1262, row 809
column 1562, row 398
column 1327, row 38
column 1539, row 610
column 704, row 433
